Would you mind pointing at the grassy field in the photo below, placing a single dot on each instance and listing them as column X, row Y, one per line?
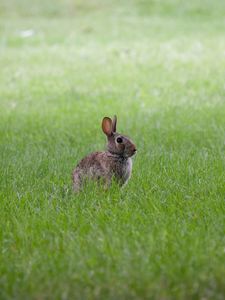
column 160, row 66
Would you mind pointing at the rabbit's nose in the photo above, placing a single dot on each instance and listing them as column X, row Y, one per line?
column 134, row 150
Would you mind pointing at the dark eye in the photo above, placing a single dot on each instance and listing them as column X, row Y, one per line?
column 119, row 140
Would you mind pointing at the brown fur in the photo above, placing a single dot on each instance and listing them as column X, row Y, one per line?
column 116, row 162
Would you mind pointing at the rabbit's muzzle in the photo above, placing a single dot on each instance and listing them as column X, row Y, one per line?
column 131, row 150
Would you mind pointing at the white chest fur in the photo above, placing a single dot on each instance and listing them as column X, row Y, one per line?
column 126, row 169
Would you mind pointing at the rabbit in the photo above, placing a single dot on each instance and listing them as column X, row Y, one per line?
column 114, row 163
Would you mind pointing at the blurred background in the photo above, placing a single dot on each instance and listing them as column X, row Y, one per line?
column 159, row 65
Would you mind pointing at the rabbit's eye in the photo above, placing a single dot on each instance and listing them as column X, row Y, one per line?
column 119, row 140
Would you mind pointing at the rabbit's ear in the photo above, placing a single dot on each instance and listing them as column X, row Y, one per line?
column 114, row 123
column 107, row 126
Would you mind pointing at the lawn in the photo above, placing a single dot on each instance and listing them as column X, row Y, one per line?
column 158, row 65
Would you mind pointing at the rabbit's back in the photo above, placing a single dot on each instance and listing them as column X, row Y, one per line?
column 102, row 166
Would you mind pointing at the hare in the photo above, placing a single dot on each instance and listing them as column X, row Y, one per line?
column 114, row 163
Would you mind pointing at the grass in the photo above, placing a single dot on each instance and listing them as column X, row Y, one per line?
column 160, row 67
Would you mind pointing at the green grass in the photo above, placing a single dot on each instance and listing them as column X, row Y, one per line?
column 159, row 65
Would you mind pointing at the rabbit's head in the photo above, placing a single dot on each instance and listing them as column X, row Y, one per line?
column 117, row 143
